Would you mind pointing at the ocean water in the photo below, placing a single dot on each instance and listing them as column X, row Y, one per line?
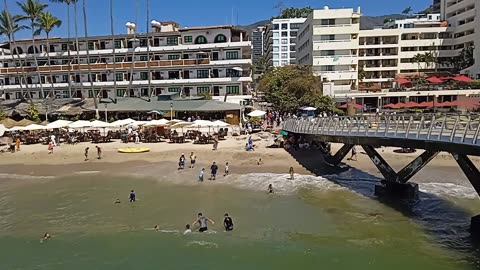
column 309, row 223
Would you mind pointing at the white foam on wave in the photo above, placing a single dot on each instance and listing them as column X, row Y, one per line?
column 203, row 244
column 23, row 176
column 282, row 184
column 86, row 172
column 449, row 189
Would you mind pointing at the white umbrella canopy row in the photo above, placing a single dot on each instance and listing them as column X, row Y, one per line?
column 256, row 113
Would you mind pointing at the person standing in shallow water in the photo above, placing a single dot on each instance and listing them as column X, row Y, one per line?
column 86, row 153
column 132, row 196
column 270, row 189
column 228, row 223
column 202, row 221
column 99, row 152
column 292, row 173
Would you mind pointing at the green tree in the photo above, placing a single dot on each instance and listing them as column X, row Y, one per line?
column 291, row 87
column 407, row 11
column 361, row 74
column 463, row 60
column 45, row 23
column 32, row 10
column 32, row 113
column 3, row 115
column 419, row 59
column 8, row 27
column 292, row 12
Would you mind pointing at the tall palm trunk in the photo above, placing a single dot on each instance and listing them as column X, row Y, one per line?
column 68, row 51
column 148, row 52
column 77, row 45
column 132, row 64
column 32, row 26
column 114, row 53
column 49, row 66
column 95, row 100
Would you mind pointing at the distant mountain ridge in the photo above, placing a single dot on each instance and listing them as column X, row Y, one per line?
column 366, row 22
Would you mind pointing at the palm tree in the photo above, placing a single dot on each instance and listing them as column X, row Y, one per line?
column 33, row 9
column 45, row 23
column 429, row 59
column 95, row 97
column 68, row 2
column 77, row 45
column 407, row 11
column 418, row 58
column 8, row 27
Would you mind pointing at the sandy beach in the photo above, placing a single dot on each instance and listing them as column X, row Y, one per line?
column 66, row 159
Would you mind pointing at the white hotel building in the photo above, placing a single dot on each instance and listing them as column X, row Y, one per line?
column 280, row 37
column 192, row 61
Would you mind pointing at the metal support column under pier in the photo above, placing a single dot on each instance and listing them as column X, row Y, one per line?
column 339, row 156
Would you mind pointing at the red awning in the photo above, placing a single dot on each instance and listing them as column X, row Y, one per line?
column 389, row 106
column 434, row 80
column 444, row 104
column 402, row 81
column 462, row 78
column 445, row 78
column 356, row 106
column 425, row 104
column 411, row 104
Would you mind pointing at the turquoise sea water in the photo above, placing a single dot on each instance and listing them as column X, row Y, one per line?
column 315, row 225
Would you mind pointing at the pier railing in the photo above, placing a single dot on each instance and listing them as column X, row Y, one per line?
column 446, row 128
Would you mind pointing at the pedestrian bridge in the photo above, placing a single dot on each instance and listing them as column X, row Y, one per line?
column 458, row 135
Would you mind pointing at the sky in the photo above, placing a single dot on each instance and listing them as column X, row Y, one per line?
column 198, row 13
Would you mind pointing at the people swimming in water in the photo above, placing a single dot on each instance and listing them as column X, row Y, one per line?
column 202, row 221
column 132, row 196
column 228, row 223
column 187, row 229
column 270, row 188
column 117, row 201
column 156, row 228
column 45, row 237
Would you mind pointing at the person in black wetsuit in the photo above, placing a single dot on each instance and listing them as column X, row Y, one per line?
column 132, row 196
column 228, row 223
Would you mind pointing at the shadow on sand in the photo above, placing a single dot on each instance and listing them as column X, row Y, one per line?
column 447, row 224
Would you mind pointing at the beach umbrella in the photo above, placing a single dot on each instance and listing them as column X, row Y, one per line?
column 2, row 129
column 201, row 123
column 33, row 127
column 389, row 106
column 155, row 112
column 462, row 78
column 434, row 80
column 181, row 125
column 256, row 113
column 100, row 124
column 356, row 106
column 123, row 122
column 157, row 123
column 58, row 124
column 411, row 104
column 309, row 109
column 401, row 81
column 24, row 123
column 80, row 124
column 219, row 123
column 9, row 123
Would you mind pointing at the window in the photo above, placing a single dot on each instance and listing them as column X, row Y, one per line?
column 276, row 63
column 292, row 48
column 328, row 53
column 284, row 26
column 284, row 55
column 232, row 73
column 203, row 90
column 143, row 75
column 295, row 25
column 293, row 33
column 143, row 43
column 284, row 48
column 327, row 68
column 90, row 93
column 276, row 26
column 119, row 77
column 327, row 37
column 121, row 92
column 275, row 34
column 275, row 49
column 284, row 34
column 187, row 39
column 64, row 47
column 144, row 92
column 202, row 73
column 201, row 40
column 64, row 62
column 173, row 56
column 233, row 89
column 328, row 22
column 174, row 89
column 231, row 54
column 92, row 61
column 220, row 38
column 143, row 58
column 118, row 59
column 172, row 41
column 275, row 42
column 64, row 78
column 117, row 44
column 275, row 56
column 284, row 62
column 284, row 41
column 91, row 46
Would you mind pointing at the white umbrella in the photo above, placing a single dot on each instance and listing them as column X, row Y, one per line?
column 181, row 125
column 309, row 109
column 2, row 129
column 100, row 124
column 33, row 127
column 80, row 124
column 201, row 123
column 157, row 123
column 219, row 123
column 123, row 122
column 59, row 124
column 256, row 113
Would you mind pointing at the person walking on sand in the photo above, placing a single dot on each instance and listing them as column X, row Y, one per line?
column 99, row 152
column 227, row 171
column 202, row 221
column 137, row 137
column 202, row 175
column 50, row 147
column 52, row 139
column 181, row 162
column 213, row 170
column 86, row 153
column 215, row 142
column 17, row 143
column 132, row 196
column 292, row 173
column 354, row 154
column 192, row 160
column 228, row 223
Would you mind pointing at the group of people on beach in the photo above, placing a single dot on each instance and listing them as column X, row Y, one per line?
column 213, row 168
column 99, row 152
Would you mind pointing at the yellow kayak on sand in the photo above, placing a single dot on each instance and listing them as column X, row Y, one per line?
column 130, row 150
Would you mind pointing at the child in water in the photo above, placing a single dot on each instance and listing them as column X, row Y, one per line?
column 187, row 229
column 226, row 170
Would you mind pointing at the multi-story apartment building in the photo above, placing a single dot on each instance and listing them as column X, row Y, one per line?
column 280, row 39
column 329, row 41
column 257, row 43
column 385, row 53
column 192, row 61
column 463, row 17
column 436, row 6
